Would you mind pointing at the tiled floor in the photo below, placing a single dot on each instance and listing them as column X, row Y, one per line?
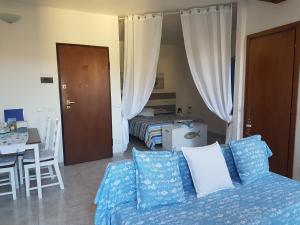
column 74, row 205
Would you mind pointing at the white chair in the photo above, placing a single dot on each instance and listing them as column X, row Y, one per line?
column 46, row 144
column 47, row 158
column 8, row 166
column 47, row 134
column 43, row 146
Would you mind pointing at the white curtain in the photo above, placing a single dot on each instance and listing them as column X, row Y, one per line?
column 207, row 39
column 142, row 45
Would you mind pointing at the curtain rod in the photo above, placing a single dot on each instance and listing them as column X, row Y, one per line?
column 174, row 12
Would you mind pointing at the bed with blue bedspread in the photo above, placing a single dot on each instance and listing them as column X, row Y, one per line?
column 149, row 129
column 272, row 199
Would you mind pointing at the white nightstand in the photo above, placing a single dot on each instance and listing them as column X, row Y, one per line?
column 176, row 136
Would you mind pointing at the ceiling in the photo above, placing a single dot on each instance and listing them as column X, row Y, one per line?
column 172, row 32
column 122, row 7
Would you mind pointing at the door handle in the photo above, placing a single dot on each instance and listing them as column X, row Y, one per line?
column 69, row 103
column 248, row 125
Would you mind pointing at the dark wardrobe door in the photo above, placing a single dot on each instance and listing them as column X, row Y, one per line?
column 271, row 92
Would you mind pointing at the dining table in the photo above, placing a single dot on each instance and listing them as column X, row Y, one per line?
column 14, row 143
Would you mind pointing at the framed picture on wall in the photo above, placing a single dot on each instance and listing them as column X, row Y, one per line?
column 159, row 81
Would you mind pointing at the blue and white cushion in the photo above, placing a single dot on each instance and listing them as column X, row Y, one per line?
column 158, row 179
column 230, row 162
column 187, row 181
column 268, row 150
column 251, row 158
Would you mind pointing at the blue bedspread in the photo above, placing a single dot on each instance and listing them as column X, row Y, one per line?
column 272, row 199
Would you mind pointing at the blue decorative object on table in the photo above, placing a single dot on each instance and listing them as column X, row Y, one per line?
column 17, row 114
column 158, row 178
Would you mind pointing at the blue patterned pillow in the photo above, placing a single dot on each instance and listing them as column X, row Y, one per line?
column 158, row 178
column 187, row 181
column 251, row 158
column 268, row 150
column 255, row 137
column 226, row 150
column 230, row 162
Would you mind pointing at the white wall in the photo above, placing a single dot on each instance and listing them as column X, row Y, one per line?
column 28, row 51
column 261, row 16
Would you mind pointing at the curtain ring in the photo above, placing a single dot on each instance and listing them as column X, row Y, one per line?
column 190, row 11
column 153, row 15
column 198, row 10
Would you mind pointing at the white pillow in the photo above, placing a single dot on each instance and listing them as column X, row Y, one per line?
column 147, row 112
column 208, row 169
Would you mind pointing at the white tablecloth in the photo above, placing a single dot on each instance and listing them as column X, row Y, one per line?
column 13, row 142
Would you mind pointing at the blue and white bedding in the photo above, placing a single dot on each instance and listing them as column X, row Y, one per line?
column 149, row 129
column 272, row 199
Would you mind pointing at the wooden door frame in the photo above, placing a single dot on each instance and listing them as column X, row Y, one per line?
column 60, row 89
column 293, row 26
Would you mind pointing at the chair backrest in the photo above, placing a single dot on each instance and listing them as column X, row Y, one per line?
column 47, row 132
column 17, row 114
column 56, row 137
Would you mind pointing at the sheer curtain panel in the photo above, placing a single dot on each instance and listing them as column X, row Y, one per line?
column 142, row 45
column 207, row 39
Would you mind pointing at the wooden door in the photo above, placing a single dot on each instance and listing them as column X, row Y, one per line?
column 271, row 92
column 85, row 102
